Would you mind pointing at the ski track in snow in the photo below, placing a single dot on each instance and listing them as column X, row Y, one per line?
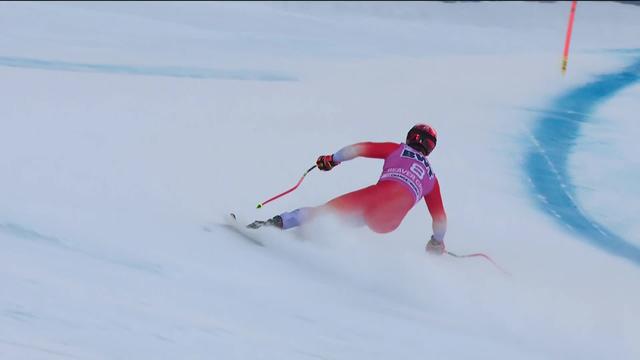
column 21, row 232
column 168, row 71
column 38, row 349
column 547, row 166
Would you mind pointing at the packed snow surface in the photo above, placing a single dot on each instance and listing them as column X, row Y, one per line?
column 127, row 129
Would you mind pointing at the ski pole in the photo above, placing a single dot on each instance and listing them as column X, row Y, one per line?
column 480, row 255
column 288, row 191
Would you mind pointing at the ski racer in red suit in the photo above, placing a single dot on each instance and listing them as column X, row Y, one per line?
column 407, row 177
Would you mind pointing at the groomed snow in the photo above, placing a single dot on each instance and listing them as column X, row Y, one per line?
column 107, row 180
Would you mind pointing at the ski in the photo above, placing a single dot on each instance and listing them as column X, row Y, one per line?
column 233, row 224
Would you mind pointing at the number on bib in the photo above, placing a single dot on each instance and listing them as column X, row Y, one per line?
column 418, row 170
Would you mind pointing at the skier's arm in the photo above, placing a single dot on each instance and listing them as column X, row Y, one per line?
column 374, row 150
column 436, row 209
column 363, row 149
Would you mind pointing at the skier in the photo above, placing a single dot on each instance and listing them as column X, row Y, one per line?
column 406, row 177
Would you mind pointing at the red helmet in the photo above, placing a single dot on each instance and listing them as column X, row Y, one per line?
column 423, row 138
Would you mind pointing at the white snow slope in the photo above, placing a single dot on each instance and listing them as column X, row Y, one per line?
column 127, row 127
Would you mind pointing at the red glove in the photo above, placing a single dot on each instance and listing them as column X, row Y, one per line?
column 325, row 162
column 435, row 247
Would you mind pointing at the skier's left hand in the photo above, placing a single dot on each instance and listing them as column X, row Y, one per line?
column 325, row 162
column 435, row 247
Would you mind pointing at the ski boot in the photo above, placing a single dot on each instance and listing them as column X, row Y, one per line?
column 275, row 221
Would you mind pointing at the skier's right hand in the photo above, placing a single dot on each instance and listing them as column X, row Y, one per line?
column 435, row 247
column 325, row 162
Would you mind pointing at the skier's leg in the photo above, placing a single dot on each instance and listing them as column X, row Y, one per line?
column 385, row 216
column 297, row 217
column 349, row 205
column 385, row 210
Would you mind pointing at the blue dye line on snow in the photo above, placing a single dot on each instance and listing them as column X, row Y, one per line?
column 22, row 232
column 167, row 71
column 546, row 164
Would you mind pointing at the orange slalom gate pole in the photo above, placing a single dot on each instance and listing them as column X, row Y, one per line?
column 567, row 41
